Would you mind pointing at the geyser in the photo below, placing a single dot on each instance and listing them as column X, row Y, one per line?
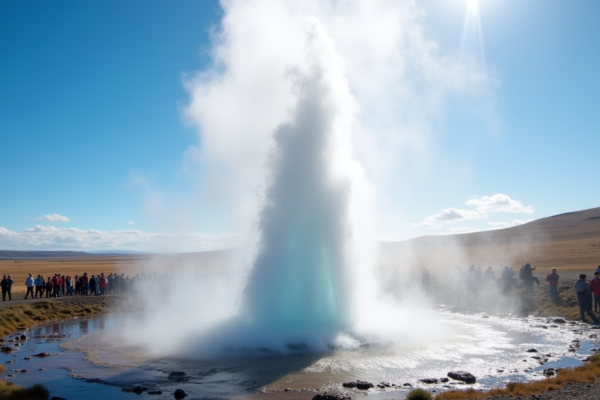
column 299, row 279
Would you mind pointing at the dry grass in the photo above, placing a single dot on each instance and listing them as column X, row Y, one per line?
column 29, row 314
column 10, row 391
column 587, row 373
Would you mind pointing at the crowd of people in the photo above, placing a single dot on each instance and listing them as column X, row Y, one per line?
column 61, row 285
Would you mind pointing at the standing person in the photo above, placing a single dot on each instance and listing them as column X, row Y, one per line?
column 10, row 283
column 507, row 279
column 584, row 298
column 526, row 275
column 49, row 286
column 30, row 283
column 77, row 285
column 84, row 284
column 552, row 279
column 4, row 285
column 595, row 285
column 93, row 285
column 55, row 285
column 102, row 283
column 39, row 286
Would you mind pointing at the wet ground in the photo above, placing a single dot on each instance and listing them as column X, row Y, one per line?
column 89, row 360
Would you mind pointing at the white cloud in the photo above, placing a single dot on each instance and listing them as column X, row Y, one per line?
column 449, row 215
column 52, row 238
column 498, row 203
column 53, row 218
column 504, row 224
column 463, row 229
column 130, row 222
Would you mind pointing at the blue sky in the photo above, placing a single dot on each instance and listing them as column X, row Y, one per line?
column 92, row 128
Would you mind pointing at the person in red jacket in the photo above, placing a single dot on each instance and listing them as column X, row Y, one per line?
column 552, row 279
column 595, row 285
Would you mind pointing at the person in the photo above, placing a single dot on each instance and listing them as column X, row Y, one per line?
column 597, row 271
column 49, row 287
column 84, row 284
column 526, row 275
column 595, row 285
column 507, row 279
column 9, row 287
column 4, row 285
column 102, row 283
column 552, row 279
column 93, row 284
column 489, row 275
column 39, row 286
column 56, row 286
column 584, row 298
column 30, row 283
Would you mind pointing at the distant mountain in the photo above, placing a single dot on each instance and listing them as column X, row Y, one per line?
column 10, row 254
column 117, row 252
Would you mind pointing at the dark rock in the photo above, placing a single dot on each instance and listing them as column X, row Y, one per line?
column 540, row 326
column 364, row 385
column 11, row 375
column 139, row 389
column 177, row 375
column 42, row 355
column 385, row 384
column 559, row 320
column 462, row 376
column 23, row 337
column 23, row 370
column 444, row 380
column 549, row 371
column 429, row 381
column 179, row 394
column 58, row 398
column 407, row 385
column 10, row 361
column 7, row 349
column 330, row 396
column 532, row 351
column 155, row 392
column 349, row 384
column 27, row 358
column 41, row 369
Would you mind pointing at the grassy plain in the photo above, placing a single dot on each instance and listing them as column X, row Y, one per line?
column 126, row 264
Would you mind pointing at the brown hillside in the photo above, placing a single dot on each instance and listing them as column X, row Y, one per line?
column 569, row 241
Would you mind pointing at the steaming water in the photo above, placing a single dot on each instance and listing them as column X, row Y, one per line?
column 480, row 345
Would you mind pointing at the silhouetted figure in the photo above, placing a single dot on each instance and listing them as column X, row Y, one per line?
column 526, row 275
column 4, row 285
column 49, row 287
column 584, row 298
column 595, row 285
column 507, row 279
column 552, row 279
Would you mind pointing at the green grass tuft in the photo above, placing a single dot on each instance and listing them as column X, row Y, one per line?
column 418, row 394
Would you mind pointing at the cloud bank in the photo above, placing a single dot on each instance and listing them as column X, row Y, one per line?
column 484, row 205
column 52, row 238
column 53, row 218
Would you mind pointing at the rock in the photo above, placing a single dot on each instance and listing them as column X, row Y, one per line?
column 41, row 369
column 385, row 384
column 407, row 385
column 540, row 326
column 364, row 385
column 42, row 355
column 11, row 375
column 559, row 320
column 7, row 349
column 177, row 375
column 11, row 361
column 549, row 371
column 23, row 337
column 500, row 371
column 27, row 358
column 155, row 392
column 444, row 380
column 179, row 394
column 429, row 381
column 58, row 398
column 349, row 384
column 139, row 389
column 463, row 376
column 330, row 396
column 532, row 351
column 23, row 371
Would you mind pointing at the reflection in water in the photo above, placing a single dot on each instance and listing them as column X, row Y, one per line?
column 479, row 345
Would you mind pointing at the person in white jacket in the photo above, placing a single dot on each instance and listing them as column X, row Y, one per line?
column 30, row 282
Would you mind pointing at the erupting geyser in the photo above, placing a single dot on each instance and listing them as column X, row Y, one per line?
column 299, row 278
